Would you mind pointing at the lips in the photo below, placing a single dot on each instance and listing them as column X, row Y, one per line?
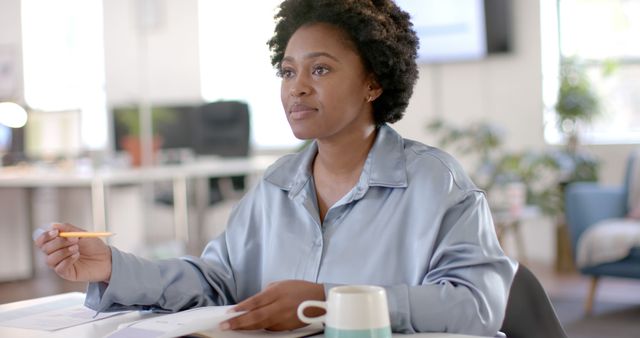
column 300, row 111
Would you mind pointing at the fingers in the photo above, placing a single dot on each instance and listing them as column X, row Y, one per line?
column 66, row 270
column 253, row 320
column 57, row 258
column 256, row 316
column 265, row 311
column 275, row 308
column 271, row 317
column 66, row 227
column 42, row 236
column 59, row 251
column 58, row 243
column 259, row 300
column 258, row 312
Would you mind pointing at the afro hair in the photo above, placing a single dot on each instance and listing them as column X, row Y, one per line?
column 382, row 34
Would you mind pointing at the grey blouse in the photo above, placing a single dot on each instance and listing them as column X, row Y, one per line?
column 414, row 223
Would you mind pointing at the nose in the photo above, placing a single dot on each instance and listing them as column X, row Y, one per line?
column 299, row 87
column 297, row 92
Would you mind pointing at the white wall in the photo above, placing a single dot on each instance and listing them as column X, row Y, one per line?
column 169, row 30
column 612, row 161
column 504, row 88
column 15, row 253
column 10, row 42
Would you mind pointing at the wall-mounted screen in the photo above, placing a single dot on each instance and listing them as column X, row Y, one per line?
column 459, row 30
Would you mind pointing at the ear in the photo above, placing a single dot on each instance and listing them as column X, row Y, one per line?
column 374, row 90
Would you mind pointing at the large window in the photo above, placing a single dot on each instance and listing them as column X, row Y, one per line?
column 235, row 65
column 64, row 62
column 603, row 34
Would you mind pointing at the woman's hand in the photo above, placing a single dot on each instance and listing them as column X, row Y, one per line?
column 275, row 308
column 75, row 259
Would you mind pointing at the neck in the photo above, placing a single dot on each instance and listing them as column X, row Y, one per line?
column 345, row 157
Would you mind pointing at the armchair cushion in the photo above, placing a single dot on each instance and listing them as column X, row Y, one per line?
column 607, row 241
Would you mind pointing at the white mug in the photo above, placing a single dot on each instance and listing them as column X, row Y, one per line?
column 352, row 311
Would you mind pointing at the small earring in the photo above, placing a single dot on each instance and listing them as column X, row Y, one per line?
column 370, row 98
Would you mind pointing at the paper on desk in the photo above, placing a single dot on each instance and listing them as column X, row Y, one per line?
column 302, row 332
column 204, row 321
column 36, row 318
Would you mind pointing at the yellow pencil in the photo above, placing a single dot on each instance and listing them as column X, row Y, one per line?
column 84, row 234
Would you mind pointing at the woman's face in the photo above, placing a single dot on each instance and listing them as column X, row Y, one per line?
column 325, row 88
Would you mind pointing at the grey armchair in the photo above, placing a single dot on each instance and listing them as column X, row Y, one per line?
column 588, row 203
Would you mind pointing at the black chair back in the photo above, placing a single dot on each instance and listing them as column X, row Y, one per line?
column 530, row 313
column 222, row 128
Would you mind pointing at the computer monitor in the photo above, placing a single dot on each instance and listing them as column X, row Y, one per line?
column 172, row 122
column 222, row 128
column 216, row 128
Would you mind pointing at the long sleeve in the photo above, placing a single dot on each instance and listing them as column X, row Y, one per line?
column 466, row 287
column 169, row 285
column 227, row 272
column 187, row 282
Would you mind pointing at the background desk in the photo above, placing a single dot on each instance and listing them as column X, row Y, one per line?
column 507, row 222
column 25, row 179
column 105, row 326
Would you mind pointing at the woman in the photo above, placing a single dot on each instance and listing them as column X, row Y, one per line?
column 360, row 205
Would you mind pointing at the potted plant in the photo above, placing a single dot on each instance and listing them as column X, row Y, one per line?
column 481, row 140
column 578, row 102
column 131, row 142
column 543, row 174
column 532, row 174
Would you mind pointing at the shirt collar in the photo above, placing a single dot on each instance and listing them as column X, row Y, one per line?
column 385, row 165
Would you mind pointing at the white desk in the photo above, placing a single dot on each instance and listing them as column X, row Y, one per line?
column 28, row 178
column 103, row 327
column 98, row 328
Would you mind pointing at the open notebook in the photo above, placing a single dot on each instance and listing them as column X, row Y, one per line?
column 199, row 322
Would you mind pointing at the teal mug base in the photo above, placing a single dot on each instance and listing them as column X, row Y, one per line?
column 384, row 332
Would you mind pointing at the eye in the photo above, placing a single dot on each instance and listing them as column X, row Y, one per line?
column 320, row 70
column 286, row 73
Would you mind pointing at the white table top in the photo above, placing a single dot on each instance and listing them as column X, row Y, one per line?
column 105, row 326
column 98, row 328
column 31, row 176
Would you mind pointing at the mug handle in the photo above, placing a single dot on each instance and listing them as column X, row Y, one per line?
column 311, row 303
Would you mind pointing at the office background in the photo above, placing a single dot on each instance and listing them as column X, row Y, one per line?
column 504, row 88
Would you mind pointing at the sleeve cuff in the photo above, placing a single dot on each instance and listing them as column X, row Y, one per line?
column 134, row 282
column 399, row 309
